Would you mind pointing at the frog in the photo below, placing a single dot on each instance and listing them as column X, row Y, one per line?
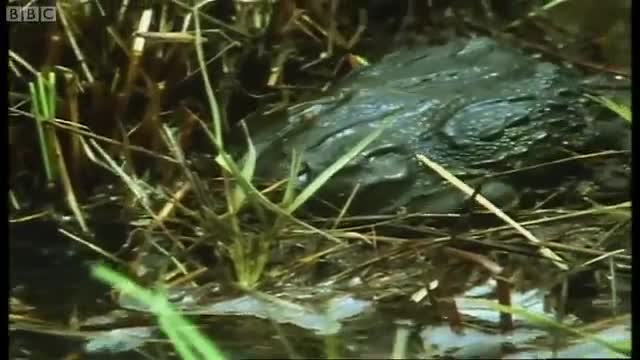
column 475, row 106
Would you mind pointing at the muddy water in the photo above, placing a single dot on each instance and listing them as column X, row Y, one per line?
column 362, row 316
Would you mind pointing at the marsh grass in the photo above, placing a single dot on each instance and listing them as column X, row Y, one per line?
column 248, row 251
column 43, row 107
column 246, row 247
column 239, row 190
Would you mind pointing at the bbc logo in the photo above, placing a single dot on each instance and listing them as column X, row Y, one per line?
column 31, row 14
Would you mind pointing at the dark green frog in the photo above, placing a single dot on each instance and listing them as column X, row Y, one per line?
column 475, row 107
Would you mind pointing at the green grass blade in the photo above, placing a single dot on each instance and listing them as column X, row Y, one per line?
column 179, row 342
column 43, row 102
column 620, row 109
column 45, row 149
column 177, row 328
column 213, row 102
column 248, row 162
column 289, row 192
column 51, row 96
column 551, row 4
column 264, row 201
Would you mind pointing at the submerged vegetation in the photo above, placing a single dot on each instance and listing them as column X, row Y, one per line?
column 139, row 119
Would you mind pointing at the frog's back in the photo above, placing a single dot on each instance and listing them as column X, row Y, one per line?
column 470, row 105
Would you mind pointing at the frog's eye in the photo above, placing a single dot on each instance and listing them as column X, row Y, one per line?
column 303, row 178
column 304, row 174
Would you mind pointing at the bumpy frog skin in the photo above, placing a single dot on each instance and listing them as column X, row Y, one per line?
column 474, row 106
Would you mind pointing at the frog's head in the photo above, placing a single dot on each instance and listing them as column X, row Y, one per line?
column 375, row 175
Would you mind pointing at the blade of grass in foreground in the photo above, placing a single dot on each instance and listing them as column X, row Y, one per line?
column 183, row 335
